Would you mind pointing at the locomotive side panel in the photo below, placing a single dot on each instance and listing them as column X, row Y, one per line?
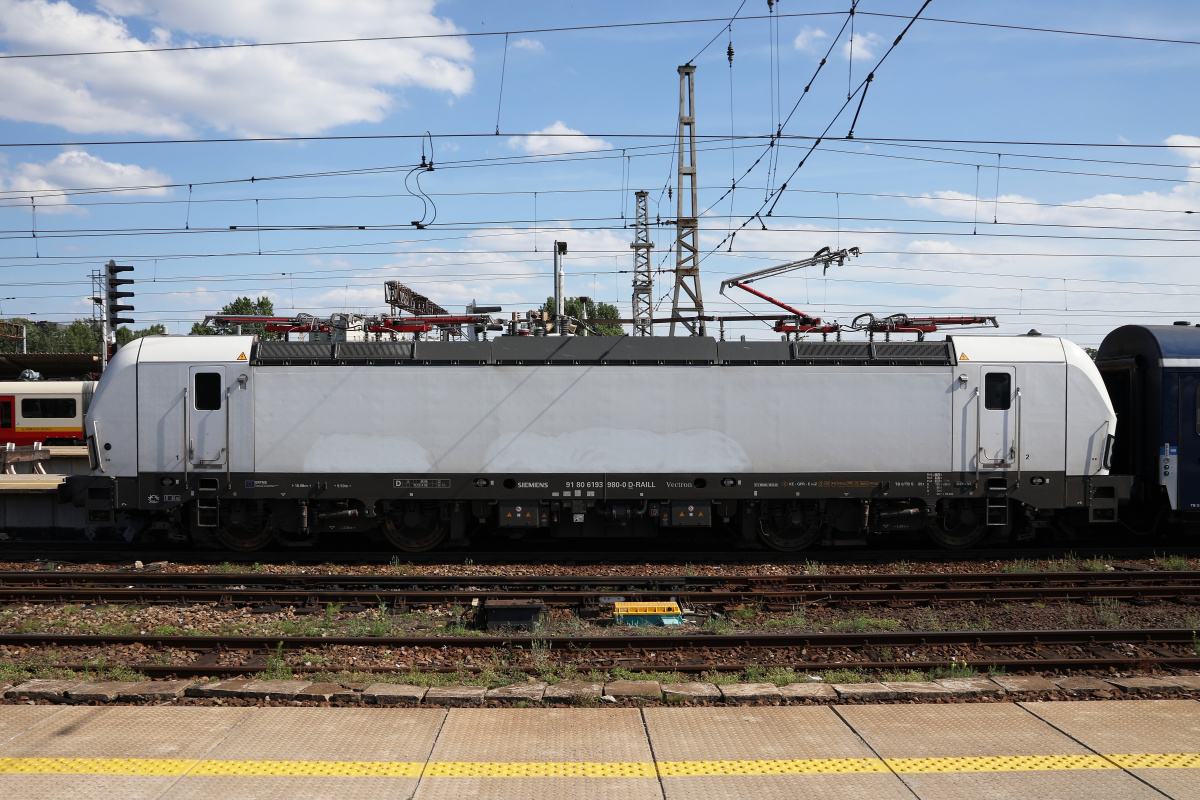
column 628, row 419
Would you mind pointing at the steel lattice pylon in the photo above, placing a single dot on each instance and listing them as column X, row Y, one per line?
column 643, row 281
column 687, row 264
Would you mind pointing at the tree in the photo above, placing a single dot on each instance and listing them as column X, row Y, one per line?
column 585, row 308
column 125, row 335
column 80, row 336
column 242, row 306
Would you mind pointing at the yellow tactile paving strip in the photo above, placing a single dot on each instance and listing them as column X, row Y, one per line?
column 533, row 769
column 797, row 766
column 168, row 767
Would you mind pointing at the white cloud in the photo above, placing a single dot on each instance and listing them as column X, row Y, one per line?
column 557, row 138
column 528, row 44
column 302, row 89
column 864, row 45
column 808, row 39
column 1187, row 146
column 76, row 169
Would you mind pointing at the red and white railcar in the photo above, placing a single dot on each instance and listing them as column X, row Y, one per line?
column 49, row 412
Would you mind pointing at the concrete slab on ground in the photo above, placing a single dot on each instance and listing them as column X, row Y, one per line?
column 750, row 692
column 864, row 691
column 326, row 746
column 455, row 695
column 572, row 692
column 971, row 687
column 100, row 691
column 807, row 691
column 96, row 736
column 527, row 692
column 627, row 690
column 227, row 688
column 1151, row 728
column 1024, row 683
column 1082, row 685
column 18, row 719
column 1146, row 685
column 994, row 750
column 44, row 689
column 764, row 752
column 274, row 690
column 145, row 691
column 319, row 692
column 691, row 690
column 917, row 690
column 541, row 753
column 393, row 694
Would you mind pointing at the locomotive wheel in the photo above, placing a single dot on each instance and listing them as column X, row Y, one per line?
column 415, row 539
column 957, row 528
column 245, row 529
column 785, row 536
column 244, row 539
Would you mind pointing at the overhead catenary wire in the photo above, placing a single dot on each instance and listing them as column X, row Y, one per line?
column 572, row 28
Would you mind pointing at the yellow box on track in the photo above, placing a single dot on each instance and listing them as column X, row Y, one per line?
column 647, row 614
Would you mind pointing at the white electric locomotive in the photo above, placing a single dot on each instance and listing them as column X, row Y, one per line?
column 226, row 439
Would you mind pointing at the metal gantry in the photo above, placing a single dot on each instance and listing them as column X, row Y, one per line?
column 643, row 280
column 687, row 263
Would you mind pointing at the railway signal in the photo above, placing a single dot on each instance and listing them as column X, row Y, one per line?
column 114, row 304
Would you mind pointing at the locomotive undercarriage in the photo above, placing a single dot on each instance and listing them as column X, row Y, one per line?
column 213, row 515
column 416, row 526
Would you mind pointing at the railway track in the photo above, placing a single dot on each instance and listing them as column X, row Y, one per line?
column 52, row 551
column 1014, row 651
column 769, row 591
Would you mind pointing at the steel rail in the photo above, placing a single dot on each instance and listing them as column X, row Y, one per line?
column 782, row 600
column 1084, row 649
column 404, row 592
column 611, row 582
column 1156, row 637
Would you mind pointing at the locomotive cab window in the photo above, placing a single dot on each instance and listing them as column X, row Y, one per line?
column 6, row 414
column 997, row 391
column 48, row 407
column 207, row 391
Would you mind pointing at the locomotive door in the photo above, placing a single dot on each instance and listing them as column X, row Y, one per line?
column 1188, row 464
column 987, row 416
column 8, row 423
column 208, row 417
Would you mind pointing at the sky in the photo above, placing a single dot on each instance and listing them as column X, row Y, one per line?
column 228, row 148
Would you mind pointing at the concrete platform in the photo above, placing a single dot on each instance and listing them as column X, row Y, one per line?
column 1062, row 750
column 1167, row 732
column 994, row 750
column 541, row 754
column 765, row 752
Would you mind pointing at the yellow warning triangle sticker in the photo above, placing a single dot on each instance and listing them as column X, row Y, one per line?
column 242, row 357
column 963, row 357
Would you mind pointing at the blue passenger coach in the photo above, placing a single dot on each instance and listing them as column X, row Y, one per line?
column 1153, row 376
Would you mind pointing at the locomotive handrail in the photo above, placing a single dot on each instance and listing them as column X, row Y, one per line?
column 980, row 452
column 228, row 457
column 187, row 438
column 96, row 434
column 1017, row 423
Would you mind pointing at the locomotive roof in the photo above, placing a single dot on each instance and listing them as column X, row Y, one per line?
column 599, row 350
column 1156, row 343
